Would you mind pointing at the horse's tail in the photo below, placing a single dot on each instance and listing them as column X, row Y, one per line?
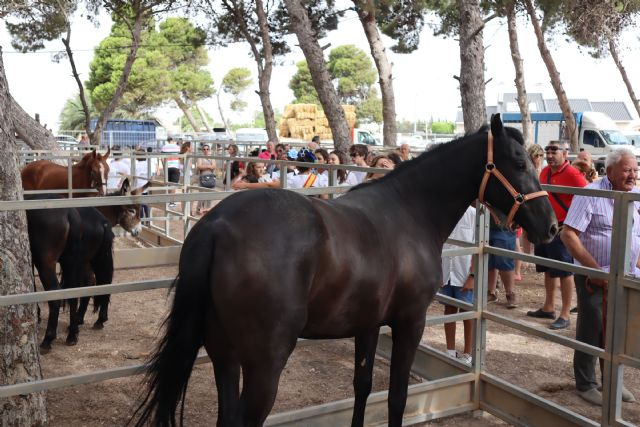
column 170, row 367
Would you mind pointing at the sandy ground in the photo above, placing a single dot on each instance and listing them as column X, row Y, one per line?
column 314, row 375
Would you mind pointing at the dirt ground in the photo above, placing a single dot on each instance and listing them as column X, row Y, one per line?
column 314, row 375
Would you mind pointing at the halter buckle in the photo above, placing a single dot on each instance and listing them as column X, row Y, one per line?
column 489, row 167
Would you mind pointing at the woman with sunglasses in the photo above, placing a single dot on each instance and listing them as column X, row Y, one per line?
column 205, row 166
column 536, row 154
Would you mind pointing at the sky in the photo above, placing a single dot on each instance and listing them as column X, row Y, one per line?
column 423, row 80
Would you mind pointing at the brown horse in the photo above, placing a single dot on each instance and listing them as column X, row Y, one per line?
column 90, row 172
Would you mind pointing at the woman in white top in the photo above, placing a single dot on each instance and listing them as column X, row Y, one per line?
column 345, row 177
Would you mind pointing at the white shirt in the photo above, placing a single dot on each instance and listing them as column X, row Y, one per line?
column 297, row 181
column 456, row 269
column 358, row 176
column 117, row 169
column 172, row 162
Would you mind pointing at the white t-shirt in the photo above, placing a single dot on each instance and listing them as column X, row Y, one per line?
column 297, row 181
column 456, row 269
column 351, row 179
column 117, row 169
column 358, row 176
column 172, row 162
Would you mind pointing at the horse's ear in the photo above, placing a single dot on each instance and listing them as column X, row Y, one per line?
column 93, row 153
column 496, row 124
column 140, row 190
column 107, row 154
column 125, row 187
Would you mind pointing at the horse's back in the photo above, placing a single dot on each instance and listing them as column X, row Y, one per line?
column 43, row 175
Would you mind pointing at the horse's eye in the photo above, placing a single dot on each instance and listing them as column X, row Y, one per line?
column 131, row 211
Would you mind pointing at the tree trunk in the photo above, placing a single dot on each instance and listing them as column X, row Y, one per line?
column 613, row 50
column 320, row 75
column 474, row 110
column 366, row 13
column 224, row 121
column 122, row 83
column 36, row 136
column 554, row 75
column 523, row 103
column 19, row 358
column 203, row 117
column 81, row 94
column 264, row 73
column 187, row 113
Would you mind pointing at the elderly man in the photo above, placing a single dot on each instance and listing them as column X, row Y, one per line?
column 405, row 152
column 587, row 236
column 557, row 172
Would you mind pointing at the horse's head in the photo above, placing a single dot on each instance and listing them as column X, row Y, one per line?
column 511, row 184
column 99, row 170
column 129, row 215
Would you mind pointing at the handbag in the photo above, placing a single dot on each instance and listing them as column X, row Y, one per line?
column 207, row 180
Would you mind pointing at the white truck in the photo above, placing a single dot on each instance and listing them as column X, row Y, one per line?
column 597, row 133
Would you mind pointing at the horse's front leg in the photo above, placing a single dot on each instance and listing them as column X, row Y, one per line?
column 49, row 282
column 364, row 357
column 102, row 301
column 406, row 337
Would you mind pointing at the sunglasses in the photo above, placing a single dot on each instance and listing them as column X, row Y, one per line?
column 552, row 149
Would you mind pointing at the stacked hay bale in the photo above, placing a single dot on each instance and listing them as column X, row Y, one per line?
column 303, row 121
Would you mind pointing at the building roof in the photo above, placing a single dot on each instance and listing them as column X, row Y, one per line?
column 617, row 110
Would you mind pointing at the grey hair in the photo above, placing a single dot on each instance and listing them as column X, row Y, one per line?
column 616, row 155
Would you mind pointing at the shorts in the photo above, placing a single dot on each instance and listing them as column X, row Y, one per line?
column 457, row 293
column 553, row 250
column 503, row 240
column 174, row 174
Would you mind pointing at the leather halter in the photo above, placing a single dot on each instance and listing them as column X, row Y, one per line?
column 518, row 198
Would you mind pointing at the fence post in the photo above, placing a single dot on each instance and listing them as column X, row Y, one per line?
column 70, row 176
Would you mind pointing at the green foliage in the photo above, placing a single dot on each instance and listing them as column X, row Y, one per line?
column 169, row 65
column 234, row 83
column 402, row 20
column 302, row 85
column 408, row 126
column 443, row 127
column 72, row 114
column 352, row 73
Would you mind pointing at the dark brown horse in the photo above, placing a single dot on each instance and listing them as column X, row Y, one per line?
column 266, row 267
column 81, row 240
column 90, row 172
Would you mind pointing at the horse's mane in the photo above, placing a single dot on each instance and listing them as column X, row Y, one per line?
column 434, row 154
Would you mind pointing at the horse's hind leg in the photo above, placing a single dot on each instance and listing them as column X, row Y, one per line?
column 74, row 329
column 49, row 282
column 406, row 337
column 226, row 369
column 364, row 357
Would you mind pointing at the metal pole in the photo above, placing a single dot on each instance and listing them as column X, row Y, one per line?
column 70, row 176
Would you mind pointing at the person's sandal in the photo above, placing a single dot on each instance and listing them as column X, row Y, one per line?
column 511, row 300
column 492, row 297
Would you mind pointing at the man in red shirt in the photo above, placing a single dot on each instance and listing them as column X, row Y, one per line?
column 558, row 172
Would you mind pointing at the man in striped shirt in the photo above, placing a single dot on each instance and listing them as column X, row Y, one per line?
column 587, row 236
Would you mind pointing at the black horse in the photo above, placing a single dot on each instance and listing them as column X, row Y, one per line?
column 266, row 267
column 81, row 240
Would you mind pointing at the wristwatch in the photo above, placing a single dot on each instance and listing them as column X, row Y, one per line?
column 472, row 275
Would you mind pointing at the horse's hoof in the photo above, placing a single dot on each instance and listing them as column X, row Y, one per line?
column 45, row 348
column 72, row 341
column 98, row 325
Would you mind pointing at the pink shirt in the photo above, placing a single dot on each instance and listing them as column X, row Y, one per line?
column 593, row 217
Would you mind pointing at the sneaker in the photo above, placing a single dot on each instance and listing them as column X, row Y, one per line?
column 511, row 300
column 464, row 358
column 540, row 314
column 560, row 323
column 492, row 297
column 452, row 354
column 592, row 396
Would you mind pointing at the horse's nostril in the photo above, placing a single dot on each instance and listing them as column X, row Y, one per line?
column 554, row 229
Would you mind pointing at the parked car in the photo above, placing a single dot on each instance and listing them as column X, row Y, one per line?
column 218, row 134
column 66, row 142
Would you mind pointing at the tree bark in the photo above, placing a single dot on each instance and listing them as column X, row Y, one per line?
column 263, row 59
column 32, row 133
column 81, row 94
column 554, row 75
column 474, row 110
column 366, row 13
column 19, row 357
column 224, row 121
column 203, row 117
column 187, row 113
column 319, row 74
column 96, row 136
column 613, row 50
column 523, row 103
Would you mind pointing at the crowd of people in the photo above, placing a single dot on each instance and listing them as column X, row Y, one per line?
column 585, row 239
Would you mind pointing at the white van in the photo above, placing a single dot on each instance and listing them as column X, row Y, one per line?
column 250, row 135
